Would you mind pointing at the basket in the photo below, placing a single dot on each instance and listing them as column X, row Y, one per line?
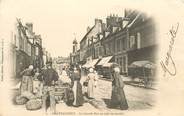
column 34, row 104
column 19, row 100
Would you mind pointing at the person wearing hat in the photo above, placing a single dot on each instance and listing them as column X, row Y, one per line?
column 91, row 78
column 77, row 87
column 27, row 80
column 49, row 77
column 118, row 98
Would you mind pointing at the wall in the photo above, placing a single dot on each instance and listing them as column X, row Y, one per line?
column 147, row 32
column 85, row 43
column 147, row 53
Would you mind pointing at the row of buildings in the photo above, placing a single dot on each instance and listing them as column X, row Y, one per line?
column 27, row 48
column 122, row 39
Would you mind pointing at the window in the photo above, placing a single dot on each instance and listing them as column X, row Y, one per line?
column 111, row 48
column 108, row 46
column 117, row 60
column 21, row 41
column 118, row 45
column 124, row 64
column 138, row 40
column 29, row 49
column 124, row 43
column 25, row 45
column 132, row 41
column 95, row 54
column 120, row 63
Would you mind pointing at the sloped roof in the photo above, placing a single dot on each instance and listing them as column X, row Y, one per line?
column 87, row 33
column 131, row 23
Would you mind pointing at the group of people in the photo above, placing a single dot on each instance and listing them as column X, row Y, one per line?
column 40, row 83
column 48, row 78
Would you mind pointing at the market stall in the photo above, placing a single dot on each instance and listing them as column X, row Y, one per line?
column 143, row 70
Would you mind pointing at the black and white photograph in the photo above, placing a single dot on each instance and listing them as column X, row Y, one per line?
column 77, row 57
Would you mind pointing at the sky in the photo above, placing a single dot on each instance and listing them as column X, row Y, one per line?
column 58, row 20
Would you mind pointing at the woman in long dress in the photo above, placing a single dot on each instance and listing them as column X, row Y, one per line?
column 91, row 78
column 77, row 88
column 37, row 85
column 118, row 98
column 27, row 80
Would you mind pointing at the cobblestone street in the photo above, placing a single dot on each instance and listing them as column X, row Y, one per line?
column 138, row 98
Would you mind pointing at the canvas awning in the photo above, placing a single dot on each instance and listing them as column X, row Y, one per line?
column 91, row 63
column 86, row 65
column 105, row 60
column 145, row 64
column 110, row 64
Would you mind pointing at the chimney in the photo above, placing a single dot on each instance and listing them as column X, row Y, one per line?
column 97, row 21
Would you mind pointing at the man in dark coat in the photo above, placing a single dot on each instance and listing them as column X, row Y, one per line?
column 49, row 77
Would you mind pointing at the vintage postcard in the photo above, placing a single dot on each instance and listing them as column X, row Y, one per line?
column 91, row 57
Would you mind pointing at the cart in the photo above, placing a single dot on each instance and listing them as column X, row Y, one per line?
column 60, row 91
column 144, row 71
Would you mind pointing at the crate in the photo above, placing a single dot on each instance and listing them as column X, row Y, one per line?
column 60, row 91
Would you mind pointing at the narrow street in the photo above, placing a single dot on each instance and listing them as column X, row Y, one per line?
column 138, row 98
column 61, row 108
column 51, row 58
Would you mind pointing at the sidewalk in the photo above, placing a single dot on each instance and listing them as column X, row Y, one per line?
column 136, row 82
column 137, row 97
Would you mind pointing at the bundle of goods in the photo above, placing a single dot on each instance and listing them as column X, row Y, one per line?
column 20, row 100
column 69, row 97
column 34, row 104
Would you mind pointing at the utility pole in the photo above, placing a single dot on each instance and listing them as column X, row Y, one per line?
column 2, row 58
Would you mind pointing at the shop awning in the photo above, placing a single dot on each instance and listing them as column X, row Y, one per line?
column 94, row 62
column 91, row 63
column 105, row 60
column 86, row 65
column 145, row 64
column 110, row 64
